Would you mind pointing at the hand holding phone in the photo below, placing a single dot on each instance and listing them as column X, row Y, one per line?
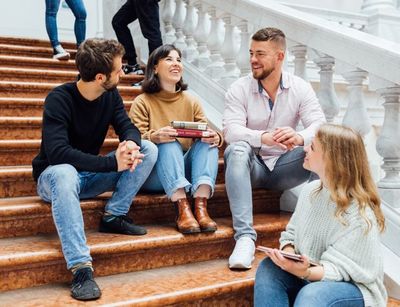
column 294, row 257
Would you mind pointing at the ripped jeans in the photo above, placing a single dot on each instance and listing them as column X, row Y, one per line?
column 245, row 170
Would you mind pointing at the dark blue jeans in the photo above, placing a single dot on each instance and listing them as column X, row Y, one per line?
column 277, row 288
column 79, row 11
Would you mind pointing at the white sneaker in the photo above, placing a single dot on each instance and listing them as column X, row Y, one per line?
column 243, row 254
column 60, row 53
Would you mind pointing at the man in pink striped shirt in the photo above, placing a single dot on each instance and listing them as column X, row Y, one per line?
column 261, row 114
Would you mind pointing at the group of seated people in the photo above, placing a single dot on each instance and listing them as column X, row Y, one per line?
column 337, row 222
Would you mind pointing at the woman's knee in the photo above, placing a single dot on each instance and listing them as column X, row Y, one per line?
column 149, row 150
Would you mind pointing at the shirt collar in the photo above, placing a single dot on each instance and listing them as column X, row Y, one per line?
column 283, row 83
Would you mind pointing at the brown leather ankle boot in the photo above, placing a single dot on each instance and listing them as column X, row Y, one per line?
column 185, row 220
column 200, row 212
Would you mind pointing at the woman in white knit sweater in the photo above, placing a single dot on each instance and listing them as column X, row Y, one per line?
column 337, row 223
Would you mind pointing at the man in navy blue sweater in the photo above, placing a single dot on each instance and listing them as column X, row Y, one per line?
column 68, row 168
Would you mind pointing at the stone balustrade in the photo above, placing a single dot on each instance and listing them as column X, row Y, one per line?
column 222, row 57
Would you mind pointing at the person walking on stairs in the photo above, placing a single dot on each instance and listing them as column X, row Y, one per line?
column 262, row 111
column 76, row 118
column 147, row 12
column 78, row 9
column 184, row 164
column 337, row 226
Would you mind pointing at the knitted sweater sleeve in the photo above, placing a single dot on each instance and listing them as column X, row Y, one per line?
column 139, row 115
column 353, row 253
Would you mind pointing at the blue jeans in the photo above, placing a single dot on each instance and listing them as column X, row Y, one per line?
column 175, row 169
column 64, row 186
column 79, row 11
column 277, row 288
column 245, row 170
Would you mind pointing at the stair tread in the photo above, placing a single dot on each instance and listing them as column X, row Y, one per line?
column 164, row 286
column 33, row 42
column 39, row 248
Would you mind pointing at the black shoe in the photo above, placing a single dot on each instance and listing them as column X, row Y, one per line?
column 132, row 69
column 83, row 287
column 120, row 224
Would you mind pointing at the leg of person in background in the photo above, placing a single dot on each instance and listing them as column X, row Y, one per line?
column 149, row 20
column 126, row 15
column 201, row 165
column 78, row 9
column 52, row 7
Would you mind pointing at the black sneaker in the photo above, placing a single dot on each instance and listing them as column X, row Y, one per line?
column 132, row 69
column 120, row 224
column 83, row 287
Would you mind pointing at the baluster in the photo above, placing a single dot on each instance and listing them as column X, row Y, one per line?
column 243, row 59
column 388, row 146
column 188, row 29
column 167, row 15
column 299, row 52
column 228, row 52
column 177, row 22
column 216, row 68
column 356, row 115
column 369, row 5
column 201, row 36
column 327, row 95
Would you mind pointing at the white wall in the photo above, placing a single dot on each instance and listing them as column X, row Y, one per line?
column 353, row 6
column 26, row 18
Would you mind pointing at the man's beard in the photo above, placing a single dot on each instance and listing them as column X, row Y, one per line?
column 264, row 74
column 109, row 86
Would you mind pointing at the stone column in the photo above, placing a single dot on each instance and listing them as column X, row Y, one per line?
column 201, row 37
column 373, row 5
column 177, row 22
column 300, row 60
column 356, row 115
column 327, row 95
column 243, row 58
column 216, row 68
column 228, row 52
column 189, row 27
column 388, row 146
column 167, row 15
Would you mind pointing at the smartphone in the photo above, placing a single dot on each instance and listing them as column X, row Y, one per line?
column 291, row 256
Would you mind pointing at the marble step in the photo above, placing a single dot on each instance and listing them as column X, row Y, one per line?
column 30, row 51
column 54, row 76
column 26, row 216
column 17, row 181
column 21, row 152
column 208, row 283
column 36, row 62
column 41, row 89
column 20, row 128
column 32, row 261
column 24, row 106
column 32, row 42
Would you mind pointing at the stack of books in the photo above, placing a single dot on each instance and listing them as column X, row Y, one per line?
column 190, row 129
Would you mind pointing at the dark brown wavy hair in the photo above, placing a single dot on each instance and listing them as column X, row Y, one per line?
column 151, row 83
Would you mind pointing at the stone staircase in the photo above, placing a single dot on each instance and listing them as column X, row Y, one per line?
column 163, row 267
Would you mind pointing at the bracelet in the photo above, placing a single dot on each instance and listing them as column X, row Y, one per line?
column 308, row 273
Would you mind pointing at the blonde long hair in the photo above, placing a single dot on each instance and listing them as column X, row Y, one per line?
column 347, row 172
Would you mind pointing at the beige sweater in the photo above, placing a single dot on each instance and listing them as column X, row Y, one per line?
column 151, row 112
column 345, row 252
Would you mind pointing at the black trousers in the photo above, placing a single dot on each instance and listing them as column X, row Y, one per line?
column 147, row 12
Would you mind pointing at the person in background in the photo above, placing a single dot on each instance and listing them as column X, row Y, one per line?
column 79, row 11
column 261, row 115
column 76, row 118
column 147, row 12
column 336, row 223
column 184, row 164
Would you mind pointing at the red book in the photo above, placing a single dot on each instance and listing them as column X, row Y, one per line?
column 190, row 133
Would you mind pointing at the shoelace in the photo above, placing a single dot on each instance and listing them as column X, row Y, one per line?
column 82, row 275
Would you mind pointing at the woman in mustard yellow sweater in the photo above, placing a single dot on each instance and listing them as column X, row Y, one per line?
column 184, row 165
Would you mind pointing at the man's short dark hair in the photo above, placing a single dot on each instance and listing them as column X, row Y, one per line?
column 96, row 56
column 151, row 82
column 270, row 34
